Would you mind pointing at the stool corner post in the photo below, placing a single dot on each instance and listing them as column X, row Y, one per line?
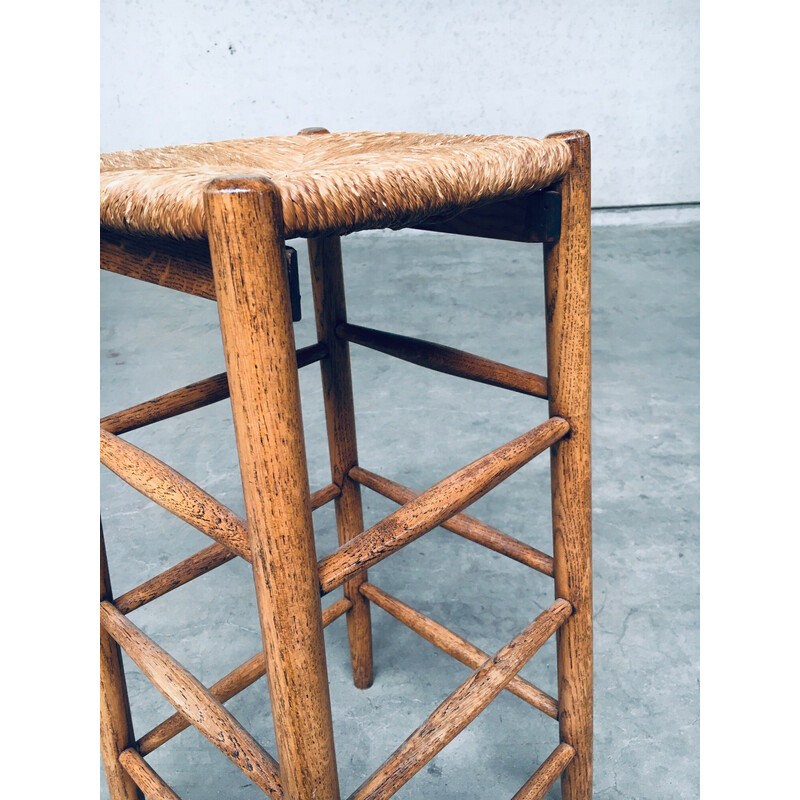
column 568, row 327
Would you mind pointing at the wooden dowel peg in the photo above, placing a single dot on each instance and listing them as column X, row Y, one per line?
column 146, row 778
column 537, row 786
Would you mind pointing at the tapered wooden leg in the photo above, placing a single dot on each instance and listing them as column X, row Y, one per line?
column 245, row 226
column 327, row 278
column 567, row 297
column 116, row 731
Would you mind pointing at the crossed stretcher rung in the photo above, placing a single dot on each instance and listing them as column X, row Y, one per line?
column 441, row 504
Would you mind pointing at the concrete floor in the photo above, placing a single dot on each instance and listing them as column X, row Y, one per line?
column 417, row 426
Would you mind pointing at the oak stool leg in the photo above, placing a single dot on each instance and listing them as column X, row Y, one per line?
column 567, row 297
column 327, row 278
column 245, row 227
column 116, row 730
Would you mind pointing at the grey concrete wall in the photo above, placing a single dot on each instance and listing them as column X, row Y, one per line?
column 627, row 71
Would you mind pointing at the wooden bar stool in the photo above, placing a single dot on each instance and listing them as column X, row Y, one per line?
column 212, row 220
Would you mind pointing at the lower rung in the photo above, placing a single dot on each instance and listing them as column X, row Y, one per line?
column 537, row 786
column 145, row 777
column 462, row 706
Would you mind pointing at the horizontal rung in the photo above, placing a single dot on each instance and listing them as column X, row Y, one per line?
column 229, row 686
column 172, row 491
column 145, row 777
column 437, row 504
column 194, row 566
column 194, row 701
column 455, row 646
column 461, row 524
column 462, row 706
column 537, row 786
column 195, row 395
column 445, row 359
column 198, row 564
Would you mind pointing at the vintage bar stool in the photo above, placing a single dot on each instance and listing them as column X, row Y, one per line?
column 211, row 220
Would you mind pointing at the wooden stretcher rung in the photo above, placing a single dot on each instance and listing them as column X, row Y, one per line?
column 193, row 701
column 537, row 786
column 188, row 398
column 145, row 777
column 446, row 359
column 172, row 491
column 461, row 524
column 455, row 646
column 462, row 706
column 437, row 504
column 234, row 682
column 198, row 564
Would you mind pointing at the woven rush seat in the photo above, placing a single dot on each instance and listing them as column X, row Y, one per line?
column 330, row 183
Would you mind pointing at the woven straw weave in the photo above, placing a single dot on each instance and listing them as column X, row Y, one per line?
column 329, row 183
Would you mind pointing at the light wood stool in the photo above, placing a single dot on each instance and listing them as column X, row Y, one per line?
column 212, row 220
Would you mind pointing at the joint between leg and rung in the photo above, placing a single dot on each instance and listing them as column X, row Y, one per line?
column 436, row 505
column 194, row 701
column 462, row 706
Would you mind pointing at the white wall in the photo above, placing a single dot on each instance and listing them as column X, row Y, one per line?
column 177, row 71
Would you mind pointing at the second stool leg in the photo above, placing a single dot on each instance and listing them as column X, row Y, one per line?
column 327, row 278
column 245, row 224
column 568, row 323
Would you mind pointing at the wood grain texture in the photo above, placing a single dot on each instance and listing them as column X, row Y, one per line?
column 462, row 706
column 188, row 398
column 244, row 219
column 568, row 325
column 173, row 492
column 537, row 786
column 194, row 701
column 445, row 359
column 533, row 217
column 181, row 265
column 196, row 565
column 234, row 682
column 435, row 505
column 116, row 729
column 455, row 646
column 462, row 524
column 148, row 780
column 327, row 280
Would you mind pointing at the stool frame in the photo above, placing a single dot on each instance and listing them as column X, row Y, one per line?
column 243, row 267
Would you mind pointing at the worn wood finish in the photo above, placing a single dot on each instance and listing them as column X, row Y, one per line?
column 435, row 505
column 244, row 219
column 533, row 217
column 444, row 359
column 196, row 565
column 462, row 524
column 234, row 682
column 327, row 280
column 148, row 780
column 567, row 265
column 462, row 706
column 195, row 395
column 194, row 701
column 116, row 730
column 455, row 646
column 181, row 265
column 172, row 491
column 537, row 786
